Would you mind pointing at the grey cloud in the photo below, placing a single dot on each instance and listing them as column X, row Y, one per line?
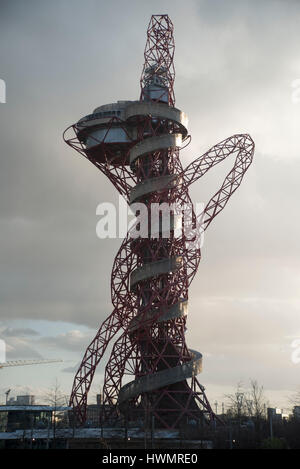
column 73, row 341
column 18, row 332
column 19, row 348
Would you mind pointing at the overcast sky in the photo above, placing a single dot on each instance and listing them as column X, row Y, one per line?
column 236, row 63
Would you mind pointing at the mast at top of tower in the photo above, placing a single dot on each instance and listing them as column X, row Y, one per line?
column 158, row 75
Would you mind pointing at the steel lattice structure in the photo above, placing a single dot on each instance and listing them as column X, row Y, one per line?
column 136, row 144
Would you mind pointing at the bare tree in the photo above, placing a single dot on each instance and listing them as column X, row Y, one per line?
column 249, row 402
column 258, row 400
column 56, row 398
column 237, row 402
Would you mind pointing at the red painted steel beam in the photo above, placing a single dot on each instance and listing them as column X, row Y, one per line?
column 151, row 341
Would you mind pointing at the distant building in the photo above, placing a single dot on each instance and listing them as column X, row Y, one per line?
column 296, row 412
column 93, row 413
column 21, row 413
column 22, row 400
column 27, row 417
column 14, row 418
column 93, row 416
column 274, row 414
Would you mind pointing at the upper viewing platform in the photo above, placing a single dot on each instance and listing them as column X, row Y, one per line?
column 112, row 128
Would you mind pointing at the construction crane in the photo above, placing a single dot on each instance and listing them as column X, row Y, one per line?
column 26, row 362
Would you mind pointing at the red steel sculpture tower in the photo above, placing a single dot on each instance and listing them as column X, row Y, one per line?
column 136, row 144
